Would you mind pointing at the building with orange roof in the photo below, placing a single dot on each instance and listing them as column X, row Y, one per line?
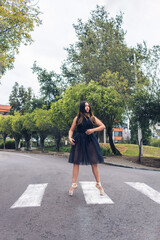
column 5, row 109
column 121, row 133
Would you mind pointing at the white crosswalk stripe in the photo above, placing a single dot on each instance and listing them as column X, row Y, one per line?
column 145, row 189
column 92, row 195
column 32, row 196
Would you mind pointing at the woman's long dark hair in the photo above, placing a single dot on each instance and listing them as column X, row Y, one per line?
column 83, row 114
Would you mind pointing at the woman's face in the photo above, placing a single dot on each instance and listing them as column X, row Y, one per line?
column 87, row 107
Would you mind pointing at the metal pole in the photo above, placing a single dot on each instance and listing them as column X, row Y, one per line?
column 104, row 132
column 139, row 129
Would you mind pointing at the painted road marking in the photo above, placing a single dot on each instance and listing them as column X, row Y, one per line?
column 19, row 154
column 92, row 195
column 145, row 189
column 32, row 196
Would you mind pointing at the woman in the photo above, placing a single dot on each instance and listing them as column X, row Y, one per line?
column 85, row 148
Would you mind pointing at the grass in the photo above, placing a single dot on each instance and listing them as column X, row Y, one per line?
column 62, row 149
column 132, row 150
column 125, row 149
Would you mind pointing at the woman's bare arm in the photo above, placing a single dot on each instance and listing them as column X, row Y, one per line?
column 70, row 133
column 100, row 127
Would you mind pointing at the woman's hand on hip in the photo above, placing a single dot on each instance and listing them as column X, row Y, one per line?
column 89, row 131
column 72, row 141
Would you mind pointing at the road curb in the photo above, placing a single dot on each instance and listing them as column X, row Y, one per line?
column 137, row 168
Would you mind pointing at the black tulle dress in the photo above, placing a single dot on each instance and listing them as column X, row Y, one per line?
column 86, row 149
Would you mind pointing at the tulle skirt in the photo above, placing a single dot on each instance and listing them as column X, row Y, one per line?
column 86, row 150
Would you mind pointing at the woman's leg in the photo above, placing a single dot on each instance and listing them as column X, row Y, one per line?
column 95, row 171
column 75, row 173
column 74, row 176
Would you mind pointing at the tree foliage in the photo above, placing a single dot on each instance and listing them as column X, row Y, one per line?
column 145, row 106
column 50, row 84
column 21, row 99
column 29, row 127
column 5, row 127
column 106, row 101
column 146, row 132
column 43, row 124
column 18, row 19
column 17, row 126
column 150, row 64
column 101, row 46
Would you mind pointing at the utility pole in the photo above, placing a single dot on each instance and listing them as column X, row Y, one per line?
column 140, row 142
column 104, row 135
column 0, row 65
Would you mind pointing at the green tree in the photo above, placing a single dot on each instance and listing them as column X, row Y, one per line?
column 18, row 19
column 50, row 84
column 146, row 132
column 5, row 127
column 150, row 64
column 17, row 126
column 29, row 127
column 155, row 106
column 143, row 112
column 21, row 99
column 62, row 113
column 106, row 102
column 37, row 103
column 108, row 105
column 101, row 46
column 43, row 124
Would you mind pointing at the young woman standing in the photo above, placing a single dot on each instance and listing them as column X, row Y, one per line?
column 85, row 147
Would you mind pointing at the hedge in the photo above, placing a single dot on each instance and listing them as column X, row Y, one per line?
column 10, row 144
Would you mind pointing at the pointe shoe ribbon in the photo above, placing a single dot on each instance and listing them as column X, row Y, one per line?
column 99, row 186
column 74, row 186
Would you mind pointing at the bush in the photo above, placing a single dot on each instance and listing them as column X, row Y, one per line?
column 10, row 144
column 51, row 148
column 106, row 151
column 62, row 149
column 65, row 149
column 155, row 142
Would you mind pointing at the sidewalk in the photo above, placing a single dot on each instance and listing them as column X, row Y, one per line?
column 116, row 161
column 121, row 162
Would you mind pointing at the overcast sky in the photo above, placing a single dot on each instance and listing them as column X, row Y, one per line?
column 141, row 21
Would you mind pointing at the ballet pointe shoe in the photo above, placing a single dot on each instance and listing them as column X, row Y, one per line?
column 99, row 186
column 74, row 186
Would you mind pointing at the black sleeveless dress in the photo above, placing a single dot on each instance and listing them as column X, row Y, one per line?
column 86, row 149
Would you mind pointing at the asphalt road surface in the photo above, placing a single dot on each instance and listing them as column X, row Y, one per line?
column 35, row 205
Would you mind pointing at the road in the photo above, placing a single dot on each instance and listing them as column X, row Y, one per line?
column 131, row 210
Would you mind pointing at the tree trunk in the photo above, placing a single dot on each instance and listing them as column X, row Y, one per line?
column 140, row 151
column 4, row 140
column 37, row 141
column 27, row 141
column 42, row 143
column 114, row 149
column 27, row 144
column 140, row 142
column 16, row 143
column 58, row 144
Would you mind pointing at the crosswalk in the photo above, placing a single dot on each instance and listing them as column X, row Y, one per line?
column 146, row 190
column 33, row 195
column 92, row 196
